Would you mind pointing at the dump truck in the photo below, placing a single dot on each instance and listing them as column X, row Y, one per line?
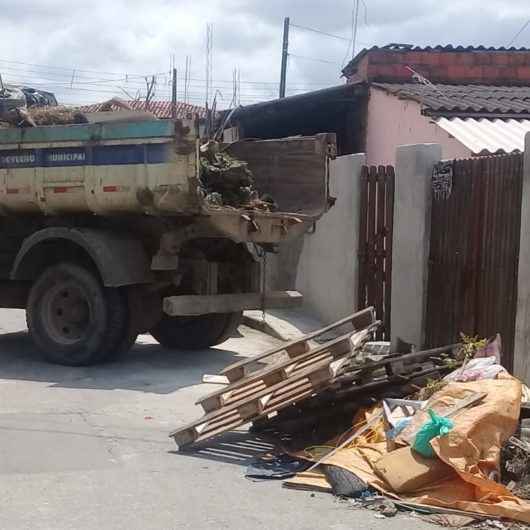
column 106, row 233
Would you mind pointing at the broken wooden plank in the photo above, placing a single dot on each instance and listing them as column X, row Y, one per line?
column 215, row 379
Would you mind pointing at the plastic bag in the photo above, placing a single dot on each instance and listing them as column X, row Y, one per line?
column 436, row 426
column 476, row 369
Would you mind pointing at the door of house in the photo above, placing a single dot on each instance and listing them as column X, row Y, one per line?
column 474, row 250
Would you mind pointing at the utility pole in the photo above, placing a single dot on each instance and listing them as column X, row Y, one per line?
column 285, row 53
column 174, row 94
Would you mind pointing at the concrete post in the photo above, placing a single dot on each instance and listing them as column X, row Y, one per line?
column 410, row 251
column 328, row 265
column 521, row 361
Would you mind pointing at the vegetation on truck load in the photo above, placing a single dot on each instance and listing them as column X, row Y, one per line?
column 227, row 181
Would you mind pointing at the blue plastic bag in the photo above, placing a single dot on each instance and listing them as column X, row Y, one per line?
column 436, row 426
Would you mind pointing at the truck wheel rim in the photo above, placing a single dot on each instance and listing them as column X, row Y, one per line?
column 66, row 313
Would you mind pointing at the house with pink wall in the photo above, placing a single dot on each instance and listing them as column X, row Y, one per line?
column 472, row 101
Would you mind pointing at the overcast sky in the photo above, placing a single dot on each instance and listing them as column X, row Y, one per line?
column 90, row 51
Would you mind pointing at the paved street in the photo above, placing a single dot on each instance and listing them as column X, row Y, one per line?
column 87, row 448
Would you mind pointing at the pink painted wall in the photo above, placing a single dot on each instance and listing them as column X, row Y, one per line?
column 392, row 122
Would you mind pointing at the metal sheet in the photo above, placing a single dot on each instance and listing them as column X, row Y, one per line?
column 485, row 136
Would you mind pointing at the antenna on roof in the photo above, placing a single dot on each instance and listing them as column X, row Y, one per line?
column 186, row 75
column 209, row 68
column 355, row 22
column 423, row 80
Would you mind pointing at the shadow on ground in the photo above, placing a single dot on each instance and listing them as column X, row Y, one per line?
column 147, row 367
column 234, row 447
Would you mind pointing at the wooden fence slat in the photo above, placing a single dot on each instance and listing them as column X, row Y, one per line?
column 389, row 233
column 379, row 247
column 372, row 212
column 362, row 298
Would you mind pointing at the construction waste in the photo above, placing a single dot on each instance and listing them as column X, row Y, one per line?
column 435, row 432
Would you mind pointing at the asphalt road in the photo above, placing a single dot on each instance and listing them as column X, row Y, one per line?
column 87, row 448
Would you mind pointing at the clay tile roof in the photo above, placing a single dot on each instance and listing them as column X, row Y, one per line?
column 397, row 47
column 443, row 99
column 161, row 109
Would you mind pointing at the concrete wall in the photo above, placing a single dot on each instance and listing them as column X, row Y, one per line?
column 522, row 322
column 393, row 122
column 323, row 265
column 411, row 239
column 327, row 270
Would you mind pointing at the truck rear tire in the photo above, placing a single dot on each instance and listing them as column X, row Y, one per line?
column 74, row 319
column 195, row 333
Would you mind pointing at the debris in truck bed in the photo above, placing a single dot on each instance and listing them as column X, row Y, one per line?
column 58, row 115
column 227, row 181
column 36, row 116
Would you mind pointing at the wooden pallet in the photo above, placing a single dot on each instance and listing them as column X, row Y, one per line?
column 282, row 370
column 259, row 403
column 256, row 393
column 358, row 321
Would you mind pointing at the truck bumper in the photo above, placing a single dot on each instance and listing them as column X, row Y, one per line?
column 193, row 305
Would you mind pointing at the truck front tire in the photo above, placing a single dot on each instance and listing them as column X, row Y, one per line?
column 195, row 333
column 73, row 319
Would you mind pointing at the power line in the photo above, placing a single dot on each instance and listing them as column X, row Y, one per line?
column 305, row 28
column 29, row 77
column 130, row 79
column 313, row 59
column 519, row 32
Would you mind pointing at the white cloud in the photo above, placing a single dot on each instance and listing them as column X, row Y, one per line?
column 138, row 37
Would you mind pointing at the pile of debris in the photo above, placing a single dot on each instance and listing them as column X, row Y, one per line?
column 227, row 181
column 434, row 431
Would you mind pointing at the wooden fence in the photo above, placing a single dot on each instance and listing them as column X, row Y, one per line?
column 375, row 242
column 474, row 250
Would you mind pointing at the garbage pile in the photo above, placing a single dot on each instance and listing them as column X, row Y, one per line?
column 436, row 432
column 227, row 181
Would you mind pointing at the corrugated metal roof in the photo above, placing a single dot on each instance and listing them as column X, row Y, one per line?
column 484, row 136
column 161, row 109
